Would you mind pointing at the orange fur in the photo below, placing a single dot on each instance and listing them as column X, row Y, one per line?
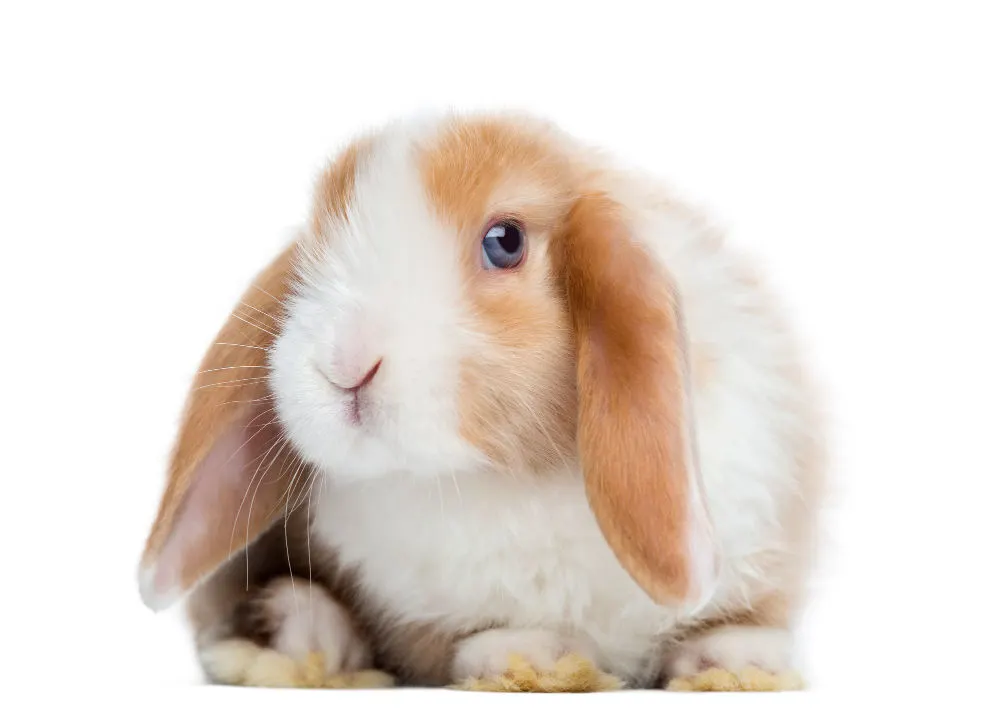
column 582, row 358
column 472, row 159
column 229, row 389
column 631, row 374
column 231, row 394
column 587, row 306
column 517, row 398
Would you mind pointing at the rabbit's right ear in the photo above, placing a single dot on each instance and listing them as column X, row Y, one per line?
column 230, row 469
column 635, row 424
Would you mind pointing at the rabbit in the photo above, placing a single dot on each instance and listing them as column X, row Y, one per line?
column 501, row 395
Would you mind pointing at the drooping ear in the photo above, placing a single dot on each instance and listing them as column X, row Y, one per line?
column 635, row 426
column 230, row 467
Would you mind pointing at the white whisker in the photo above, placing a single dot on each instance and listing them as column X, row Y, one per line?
column 236, row 344
column 277, row 322
column 249, row 513
column 245, row 382
column 440, row 495
column 308, row 541
column 235, row 366
column 457, row 490
column 250, row 438
column 255, row 326
column 265, row 398
column 261, row 289
column 287, row 547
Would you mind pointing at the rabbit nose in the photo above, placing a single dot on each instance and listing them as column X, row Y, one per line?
column 365, row 380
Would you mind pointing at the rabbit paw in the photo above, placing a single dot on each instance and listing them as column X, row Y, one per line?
column 312, row 643
column 528, row 660
column 733, row 658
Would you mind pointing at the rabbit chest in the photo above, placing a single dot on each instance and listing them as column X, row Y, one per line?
column 466, row 553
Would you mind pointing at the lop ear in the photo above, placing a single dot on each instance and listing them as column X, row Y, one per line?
column 228, row 474
column 635, row 425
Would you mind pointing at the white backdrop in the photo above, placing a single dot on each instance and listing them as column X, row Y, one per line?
column 152, row 159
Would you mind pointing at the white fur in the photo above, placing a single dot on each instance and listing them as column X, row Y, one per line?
column 151, row 595
column 306, row 620
column 383, row 288
column 487, row 654
column 733, row 648
column 435, row 535
column 229, row 661
column 493, row 548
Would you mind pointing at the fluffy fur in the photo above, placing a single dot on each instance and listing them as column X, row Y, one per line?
column 610, row 452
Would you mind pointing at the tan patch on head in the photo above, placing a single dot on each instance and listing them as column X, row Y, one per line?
column 517, row 394
column 334, row 192
column 477, row 164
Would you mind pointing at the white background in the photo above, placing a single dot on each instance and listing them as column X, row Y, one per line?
column 152, row 160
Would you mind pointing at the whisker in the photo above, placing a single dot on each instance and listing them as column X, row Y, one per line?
column 293, row 483
column 244, row 335
column 287, row 547
column 266, row 398
column 454, row 480
column 245, row 381
column 440, row 495
column 235, row 366
column 250, row 438
column 302, row 496
column 256, row 326
column 308, row 539
column 249, row 513
column 239, row 511
column 260, row 415
column 290, row 458
column 249, row 485
column 277, row 322
column 261, row 289
column 236, row 344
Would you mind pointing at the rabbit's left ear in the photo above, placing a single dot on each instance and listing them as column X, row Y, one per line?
column 635, row 425
column 231, row 472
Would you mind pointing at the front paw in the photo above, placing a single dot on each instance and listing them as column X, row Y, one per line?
column 312, row 643
column 528, row 660
column 733, row 658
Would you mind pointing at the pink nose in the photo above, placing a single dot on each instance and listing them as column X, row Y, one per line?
column 365, row 380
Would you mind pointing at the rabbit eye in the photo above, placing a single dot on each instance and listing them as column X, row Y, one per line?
column 503, row 246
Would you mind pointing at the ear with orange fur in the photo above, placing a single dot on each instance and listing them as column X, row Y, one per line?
column 635, row 430
column 229, row 470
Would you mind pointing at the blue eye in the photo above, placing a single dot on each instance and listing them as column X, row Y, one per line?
column 503, row 246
